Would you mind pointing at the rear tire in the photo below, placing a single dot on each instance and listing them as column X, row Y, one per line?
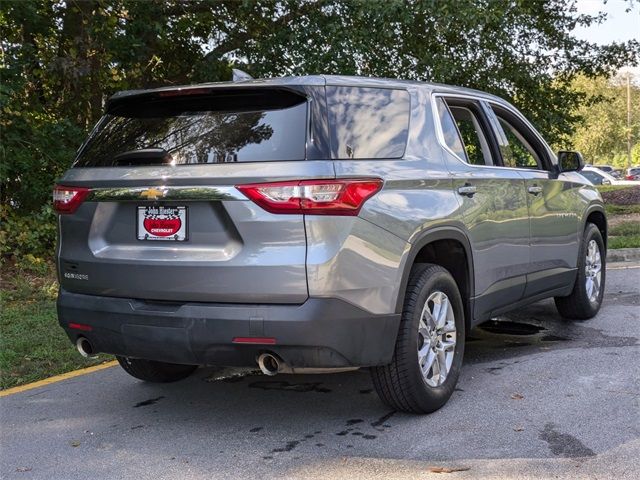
column 586, row 297
column 156, row 372
column 424, row 343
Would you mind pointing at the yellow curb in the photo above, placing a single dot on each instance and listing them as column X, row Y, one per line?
column 57, row 378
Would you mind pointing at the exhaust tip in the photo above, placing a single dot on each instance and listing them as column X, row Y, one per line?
column 84, row 347
column 269, row 364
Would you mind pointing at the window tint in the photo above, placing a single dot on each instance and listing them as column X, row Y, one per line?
column 475, row 143
column 450, row 130
column 517, row 152
column 593, row 177
column 178, row 133
column 368, row 122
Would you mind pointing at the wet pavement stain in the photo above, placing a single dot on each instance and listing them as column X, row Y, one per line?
column 507, row 327
column 553, row 338
column 291, row 387
column 369, row 437
column 382, row 420
column 287, row 448
column 151, row 401
column 563, row 444
column 354, row 421
column 256, row 429
column 366, row 391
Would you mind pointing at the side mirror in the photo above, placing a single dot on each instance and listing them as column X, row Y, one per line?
column 569, row 161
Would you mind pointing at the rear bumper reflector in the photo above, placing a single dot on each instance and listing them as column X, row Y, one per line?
column 81, row 326
column 255, row 340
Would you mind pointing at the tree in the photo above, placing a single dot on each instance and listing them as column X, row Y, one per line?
column 602, row 134
column 61, row 59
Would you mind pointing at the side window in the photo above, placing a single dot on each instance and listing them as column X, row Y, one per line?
column 463, row 133
column 519, row 147
column 475, row 143
column 517, row 152
column 450, row 130
column 593, row 177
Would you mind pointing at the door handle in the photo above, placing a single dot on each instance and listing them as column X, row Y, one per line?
column 467, row 189
column 534, row 189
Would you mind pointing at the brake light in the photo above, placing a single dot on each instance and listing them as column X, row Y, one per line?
column 68, row 199
column 313, row 197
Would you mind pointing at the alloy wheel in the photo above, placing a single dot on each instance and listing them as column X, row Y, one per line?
column 436, row 339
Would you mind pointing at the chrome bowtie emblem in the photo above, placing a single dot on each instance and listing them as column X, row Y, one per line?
column 153, row 193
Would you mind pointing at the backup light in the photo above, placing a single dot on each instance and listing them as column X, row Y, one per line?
column 313, row 197
column 68, row 199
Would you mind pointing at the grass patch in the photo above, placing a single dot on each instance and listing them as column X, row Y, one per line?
column 612, row 209
column 631, row 241
column 625, row 229
column 32, row 344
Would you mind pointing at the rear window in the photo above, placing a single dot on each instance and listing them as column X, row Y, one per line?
column 368, row 122
column 221, row 128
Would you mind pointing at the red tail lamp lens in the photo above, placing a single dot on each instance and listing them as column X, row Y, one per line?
column 313, row 197
column 68, row 199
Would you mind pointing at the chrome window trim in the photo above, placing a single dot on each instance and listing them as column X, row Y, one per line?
column 506, row 106
column 165, row 193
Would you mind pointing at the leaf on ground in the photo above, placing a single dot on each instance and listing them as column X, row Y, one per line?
column 448, row 469
column 518, row 429
column 517, row 396
column 74, row 443
column 24, row 469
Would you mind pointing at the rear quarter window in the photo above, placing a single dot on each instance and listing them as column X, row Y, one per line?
column 368, row 122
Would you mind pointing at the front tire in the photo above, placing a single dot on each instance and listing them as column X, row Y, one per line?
column 430, row 344
column 155, row 372
column 586, row 298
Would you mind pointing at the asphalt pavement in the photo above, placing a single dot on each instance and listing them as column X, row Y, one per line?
column 539, row 397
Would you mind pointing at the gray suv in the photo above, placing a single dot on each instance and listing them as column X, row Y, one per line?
column 315, row 224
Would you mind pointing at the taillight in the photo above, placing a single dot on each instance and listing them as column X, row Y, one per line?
column 313, row 197
column 68, row 199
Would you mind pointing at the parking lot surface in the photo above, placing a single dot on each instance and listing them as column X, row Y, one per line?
column 539, row 397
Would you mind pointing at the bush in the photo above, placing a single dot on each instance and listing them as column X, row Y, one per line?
column 29, row 237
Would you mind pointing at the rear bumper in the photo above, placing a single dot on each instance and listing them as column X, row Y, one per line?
column 320, row 333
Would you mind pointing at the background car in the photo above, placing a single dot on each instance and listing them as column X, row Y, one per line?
column 633, row 173
column 607, row 169
column 598, row 177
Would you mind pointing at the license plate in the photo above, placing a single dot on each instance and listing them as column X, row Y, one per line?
column 162, row 223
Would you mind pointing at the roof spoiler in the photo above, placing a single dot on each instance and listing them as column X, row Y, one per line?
column 240, row 75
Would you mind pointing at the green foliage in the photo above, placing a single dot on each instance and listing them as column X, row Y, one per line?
column 635, row 154
column 60, row 60
column 27, row 234
column 629, row 241
column 32, row 346
column 625, row 229
column 602, row 134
